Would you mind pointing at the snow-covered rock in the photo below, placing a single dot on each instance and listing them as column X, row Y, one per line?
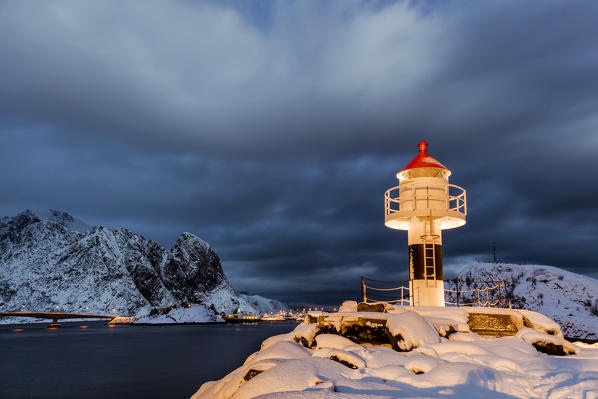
column 411, row 330
column 568, row 298
column 348, row 306
column 51, row 261
column 422, row 364
column 305, row 334
column 347, row 358
column 468, row 367
column 546, row 343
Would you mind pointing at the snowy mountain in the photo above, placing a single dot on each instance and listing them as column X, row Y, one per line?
column 265, row 305
column 52, row 261
column 568, row 298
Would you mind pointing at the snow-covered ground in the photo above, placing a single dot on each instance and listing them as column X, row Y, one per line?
column 570, row 299
column 464, row 365
column 182, row 315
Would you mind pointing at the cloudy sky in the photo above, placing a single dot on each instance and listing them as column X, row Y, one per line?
column 272, row 129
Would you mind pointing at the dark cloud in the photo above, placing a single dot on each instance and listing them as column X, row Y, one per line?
column 273, row 130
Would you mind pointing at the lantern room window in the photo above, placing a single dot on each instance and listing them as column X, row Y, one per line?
column 423, row 172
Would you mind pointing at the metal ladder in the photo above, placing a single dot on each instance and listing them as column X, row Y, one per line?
column 429, row 257
column 429, row 251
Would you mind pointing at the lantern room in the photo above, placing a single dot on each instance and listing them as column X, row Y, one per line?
column 424, row 190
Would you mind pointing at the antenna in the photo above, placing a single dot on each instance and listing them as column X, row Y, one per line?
column 494, row 247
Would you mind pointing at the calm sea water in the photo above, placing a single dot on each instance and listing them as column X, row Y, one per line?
column 123, row 361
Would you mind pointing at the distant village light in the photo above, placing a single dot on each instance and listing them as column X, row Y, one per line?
column 424, row 204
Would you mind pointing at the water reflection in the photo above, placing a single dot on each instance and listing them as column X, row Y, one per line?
column 95, row 361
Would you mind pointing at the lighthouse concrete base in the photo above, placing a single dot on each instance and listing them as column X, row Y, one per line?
column 426, row 292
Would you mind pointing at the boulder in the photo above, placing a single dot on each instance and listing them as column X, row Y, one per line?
column 549, row 344
column 409, row 330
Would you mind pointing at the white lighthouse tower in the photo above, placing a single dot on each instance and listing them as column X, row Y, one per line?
column 424, row 204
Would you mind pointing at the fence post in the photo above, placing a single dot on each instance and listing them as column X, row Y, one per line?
column 479, row 302
column 363, row 297
column 507, row 294
column 457, row 285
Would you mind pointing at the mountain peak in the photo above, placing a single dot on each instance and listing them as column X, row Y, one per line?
column 187, row 237
column 55, row 216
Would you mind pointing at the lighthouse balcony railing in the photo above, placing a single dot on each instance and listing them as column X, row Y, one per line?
column 412, row 198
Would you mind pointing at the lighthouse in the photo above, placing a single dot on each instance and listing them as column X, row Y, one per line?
column 424, row 204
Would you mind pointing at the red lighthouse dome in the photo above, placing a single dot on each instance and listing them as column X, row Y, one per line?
column 429, row 166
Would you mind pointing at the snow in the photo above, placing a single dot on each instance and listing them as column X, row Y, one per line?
column 413, row 329
column 348, row 306
column 422, row 364
column 463, row 366
column 319, row 394
column 444, row 326
column 290, row 376
column 350, row 359
column 333, row 341
column 280, row 350
column 441, row 318
column 276, row 338
column 464, row 337
column 193, row 314
column 442, row 348
column 586, row 345
column 391, row 372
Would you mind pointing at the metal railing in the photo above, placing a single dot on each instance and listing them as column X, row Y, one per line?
column 387, row 291
column 493, row 294
column 408, row 196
